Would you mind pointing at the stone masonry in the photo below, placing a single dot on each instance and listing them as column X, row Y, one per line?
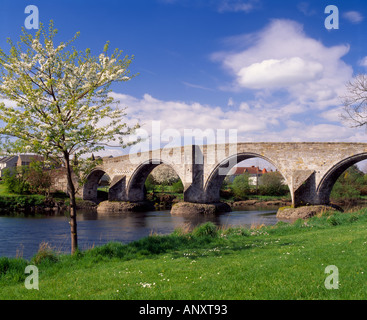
column 310, row 169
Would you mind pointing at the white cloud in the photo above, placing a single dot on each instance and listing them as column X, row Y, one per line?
column 264, row 123
column 230, row 102
column 274, row 73
column 296, row 83
column 333, row 115
column 244, row 107
column 282, row 56
column 353, row 17
column 183, row 115
column 221, row 6
column 304, row 7
column 363, row 62
column 237, row 6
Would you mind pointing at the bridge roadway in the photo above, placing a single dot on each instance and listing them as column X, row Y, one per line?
column 310, row 169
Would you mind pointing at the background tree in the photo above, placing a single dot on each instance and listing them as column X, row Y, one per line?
column 150, row 183
column 355, row 102
column 38, row 176
column 164, row 174
column 241, row 186
column 64, row 109
column 35, row 178
column 15, row 180
column 178, row 187
column 350, row 185
column 271, row 184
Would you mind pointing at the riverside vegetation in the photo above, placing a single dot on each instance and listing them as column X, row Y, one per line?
column 351, row 187
column 285, row 261
column 26, row 189
column 29, row 190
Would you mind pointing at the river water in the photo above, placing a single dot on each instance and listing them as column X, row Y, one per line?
column 21, row 235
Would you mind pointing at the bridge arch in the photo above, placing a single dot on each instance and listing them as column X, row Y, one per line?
column 90, row 188
column 217, row 175
column 327, row 182
column 136, row 183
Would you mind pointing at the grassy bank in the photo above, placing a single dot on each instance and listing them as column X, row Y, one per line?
column 280, row 262
column 14, row 202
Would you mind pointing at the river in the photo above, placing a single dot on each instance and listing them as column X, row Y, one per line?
column 20, row 236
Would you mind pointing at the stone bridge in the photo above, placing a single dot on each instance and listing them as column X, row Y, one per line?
column 309, row 169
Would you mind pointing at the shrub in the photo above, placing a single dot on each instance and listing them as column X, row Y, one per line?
column 353, row 218
column 350, row 185
column 206, row 229
column 241, row 186
column 13, row 269
column 39, row 178
column 334, row 220
column 15, row 181
column 4, row 265
column 177, row 187
column 45, row 253
column 150, row 183
column 344, row 191
column 271, row 184
column 238, row 231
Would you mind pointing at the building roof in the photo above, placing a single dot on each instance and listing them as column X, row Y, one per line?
column 30, row 157
column 22, row 158
column 6, row 159
column 249, row 170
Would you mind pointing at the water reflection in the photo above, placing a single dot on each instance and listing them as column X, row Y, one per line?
column 22, row 235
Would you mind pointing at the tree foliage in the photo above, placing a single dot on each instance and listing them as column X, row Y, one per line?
column 271, row 184
column 33, row 179
column 15, row 180
column 164, row 174
column 62, row 106
column 62, row 96
column 241, row 186
column 38, row 176
column 350, row 185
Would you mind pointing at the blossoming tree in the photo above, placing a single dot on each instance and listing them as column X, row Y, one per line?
column 64, row 109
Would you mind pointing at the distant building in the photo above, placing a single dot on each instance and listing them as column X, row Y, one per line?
column 7, row 163
column 11, row 162
column 26, row 159
column 254, row 173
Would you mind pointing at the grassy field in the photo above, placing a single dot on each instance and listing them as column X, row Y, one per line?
column 280, row 262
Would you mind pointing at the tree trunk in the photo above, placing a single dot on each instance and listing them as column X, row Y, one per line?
column 73, row 225
column 71, row 189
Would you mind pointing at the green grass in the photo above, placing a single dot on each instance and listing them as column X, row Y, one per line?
column 279, row 262
column 3, row 191
column 10, row 202
column 269, row 198
column 253, row 196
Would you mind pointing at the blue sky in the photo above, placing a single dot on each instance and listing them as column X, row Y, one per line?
column 269, row 69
